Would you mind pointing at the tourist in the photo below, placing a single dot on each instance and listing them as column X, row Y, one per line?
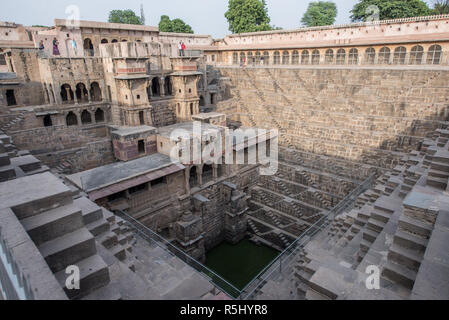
column 183, row 46
column 262, row 62
column 180, row 49
column 41, row 45
column 74, row 46
column 55, row 47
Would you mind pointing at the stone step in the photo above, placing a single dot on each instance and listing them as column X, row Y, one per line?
column 410, row 241
column 365, row 245
column 109, row 292
column 380, row 216
column 98, row 227
column 119, row 252
column 399, row 274
column 94, row 274
column 438, row 174
column 53, row 224
column 439, row 166
column 415, row 227
column 68, row 249
column 312, row 295
column 440, row 183
column 108, row 215
column 375, row 225
column 406, row 257
column 370, row 235
column 108, row 240
column 91, row 211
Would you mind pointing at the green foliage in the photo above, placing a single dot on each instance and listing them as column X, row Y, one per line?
column 390, row 9
column 321, row 13
column 248, row 16
column 124, row 16
column 175, row 25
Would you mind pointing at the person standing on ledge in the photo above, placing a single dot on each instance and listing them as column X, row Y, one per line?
column 55, row 47
column 183, row 49
column 74, row 46
column 41, row 45
column 180, row 48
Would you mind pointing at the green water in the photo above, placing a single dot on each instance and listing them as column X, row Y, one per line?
column 240, row 263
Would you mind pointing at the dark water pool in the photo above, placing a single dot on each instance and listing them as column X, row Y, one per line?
column 239, row 264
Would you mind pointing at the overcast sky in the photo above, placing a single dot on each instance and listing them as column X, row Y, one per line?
column 205, row 16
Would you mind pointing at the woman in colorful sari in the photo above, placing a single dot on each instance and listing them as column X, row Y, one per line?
column 55, row 47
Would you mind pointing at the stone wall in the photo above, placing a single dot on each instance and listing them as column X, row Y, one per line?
column 359, row 114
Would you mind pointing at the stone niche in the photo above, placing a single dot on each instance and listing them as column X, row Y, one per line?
column 134, row 142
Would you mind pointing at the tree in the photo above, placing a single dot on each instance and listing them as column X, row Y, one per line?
column 175, row 25
column 124, row 16
column 389, row 9
column 321, row 13
column 441, row 7
column 248, row 16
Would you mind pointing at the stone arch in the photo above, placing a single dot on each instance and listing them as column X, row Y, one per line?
column 370, row 56
column 235, row 58
column 191, row 109
column 155, row 87
column 104, row 41
column 416, row 55
column 202, row 102
column 212, row 98
column 285, row 57
column 95, row 91
column 193, row 177
column 316, row 57
column 341, row 56
column 71, row 119
column 329, row 56
column 88, row 47
column 99, row 115
column 86, row 117
column 81, row 92
column 66, row 93
column 250, row 58
column 353, row 57
column 276, row 58
column 384, row 55
column 208, row 173
column 400, row 53
column 434, row 54
column 258, row 56
column 114, row 41
column 305, row 57
column 295, row 57
column 266, row 58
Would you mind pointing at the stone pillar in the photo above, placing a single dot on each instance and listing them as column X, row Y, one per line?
column 187, row 180
column 189, row 235
column 162, row 86
column 235, row 219
column 46, row 94
column 199, row 171
column 89, row 98
column 215, row 171
column 69, row 97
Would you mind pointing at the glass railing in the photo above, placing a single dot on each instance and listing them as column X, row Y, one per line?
column 272, row 270
column 152, row 237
